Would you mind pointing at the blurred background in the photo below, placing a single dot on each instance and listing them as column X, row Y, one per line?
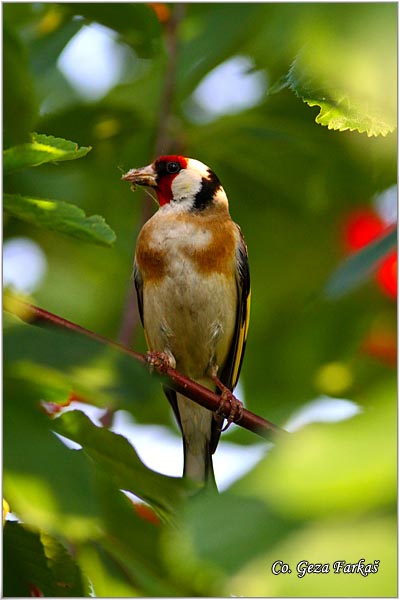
column 239, row 87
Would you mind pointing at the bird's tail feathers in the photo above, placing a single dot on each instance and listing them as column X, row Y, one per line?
column 198, row 428
column 198, row 466
column 196, row 423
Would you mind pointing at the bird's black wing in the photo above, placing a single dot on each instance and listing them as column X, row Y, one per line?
column 230, row 371
column 137, row 277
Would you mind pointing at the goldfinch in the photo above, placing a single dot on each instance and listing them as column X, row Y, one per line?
column 192, row 280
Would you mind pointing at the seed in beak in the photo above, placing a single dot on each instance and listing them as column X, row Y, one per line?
column 144, row 176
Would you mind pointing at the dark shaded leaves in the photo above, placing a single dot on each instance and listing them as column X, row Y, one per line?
column 114, row 456
column 35, row 562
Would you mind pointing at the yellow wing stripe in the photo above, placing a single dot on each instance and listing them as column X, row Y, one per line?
column 241, row 341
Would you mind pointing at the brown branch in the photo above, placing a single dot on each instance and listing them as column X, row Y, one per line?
column 162, row 145
column 198, row 393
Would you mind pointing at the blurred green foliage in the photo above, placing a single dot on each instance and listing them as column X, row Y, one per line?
column 326, row 493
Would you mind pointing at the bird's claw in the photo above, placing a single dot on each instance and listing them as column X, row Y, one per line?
column 236, row 407
column 158, row 361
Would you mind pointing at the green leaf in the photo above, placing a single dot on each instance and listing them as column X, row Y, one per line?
column 338, row 110
column 60, row 216
column 341, row 116
column 371, row 539
column 203, row 551
column 137, row 550
column 115, row 457
column 358, row 268
column 339, row 483
column 108, row 578
column 350, row 72
column 39, row 469
column 53, row 363
column 35, row 561
column 42, row 149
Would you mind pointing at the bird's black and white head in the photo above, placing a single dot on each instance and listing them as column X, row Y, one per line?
column 184, row 184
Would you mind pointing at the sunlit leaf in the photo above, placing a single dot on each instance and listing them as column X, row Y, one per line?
column 370, row 541
column 60, row 216
column 350, row 72
column 6, row 509
column 41, row 149
column 341, row 116
column 338, row 110
column 337, row 483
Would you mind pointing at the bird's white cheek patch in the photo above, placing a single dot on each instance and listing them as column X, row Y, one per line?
column 186, row 185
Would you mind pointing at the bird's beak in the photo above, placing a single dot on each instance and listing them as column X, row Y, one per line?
column 144, row 176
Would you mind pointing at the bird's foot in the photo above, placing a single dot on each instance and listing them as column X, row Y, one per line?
column 159, row 361
column 236, row 407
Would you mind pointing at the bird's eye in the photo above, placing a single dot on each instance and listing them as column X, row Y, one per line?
column 173, row 167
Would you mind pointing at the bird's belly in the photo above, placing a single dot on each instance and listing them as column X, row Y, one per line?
column 191, row 317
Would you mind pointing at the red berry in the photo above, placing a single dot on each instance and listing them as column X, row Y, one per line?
column 361, row 227
column 386, row 275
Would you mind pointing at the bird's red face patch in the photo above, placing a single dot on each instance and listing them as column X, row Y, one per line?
column 167, row 168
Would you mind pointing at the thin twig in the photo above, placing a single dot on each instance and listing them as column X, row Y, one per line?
column 163, row 142
column 198, row 393
column 162, row 145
